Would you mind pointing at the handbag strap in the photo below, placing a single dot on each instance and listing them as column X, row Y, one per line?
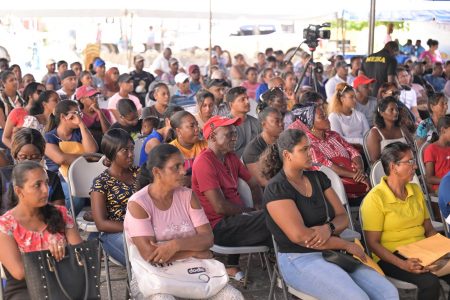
column 58, row 279
column 322, row 196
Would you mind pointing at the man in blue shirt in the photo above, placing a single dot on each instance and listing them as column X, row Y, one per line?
column 444, row 195
column 183, row 96
column 435, row 78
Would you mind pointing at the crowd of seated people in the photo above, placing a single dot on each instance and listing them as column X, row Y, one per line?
column 198, row 139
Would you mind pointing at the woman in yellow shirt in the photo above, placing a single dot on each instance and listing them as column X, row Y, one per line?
column 394, row 213
column 187, row 139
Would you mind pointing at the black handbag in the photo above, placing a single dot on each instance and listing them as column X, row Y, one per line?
column 338, row 257
column 75, row 277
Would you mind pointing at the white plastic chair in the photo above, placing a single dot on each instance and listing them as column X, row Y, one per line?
column 348, row 234
column 377, row 172
column 277, row 278
column 246, row 196
column 80, row 177
column 365, row 148
column 138, row 143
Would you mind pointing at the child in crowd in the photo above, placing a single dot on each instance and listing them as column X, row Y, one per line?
column 437, row 155
column 148, row 124
column 128, row 118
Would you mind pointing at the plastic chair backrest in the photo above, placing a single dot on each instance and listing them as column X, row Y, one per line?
column 366, row 150
column 338, row 187
column 420, row 158
column 245, row 193
column 81, row 175
column 138, row 143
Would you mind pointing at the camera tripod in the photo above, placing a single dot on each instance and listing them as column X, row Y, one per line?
column 309, row 64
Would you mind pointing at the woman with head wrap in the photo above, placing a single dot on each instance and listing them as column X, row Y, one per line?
column 328, row 148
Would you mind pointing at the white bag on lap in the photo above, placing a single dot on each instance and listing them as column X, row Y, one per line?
column 186, row 278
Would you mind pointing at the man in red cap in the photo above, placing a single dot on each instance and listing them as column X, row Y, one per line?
column 196, row 82
column 365, row 103
column 215, row 175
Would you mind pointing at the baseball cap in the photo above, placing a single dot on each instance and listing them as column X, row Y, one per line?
column 181, row 77
column 138, row 58
column 361, row 80
column 86, row 91
column 99, row 62
column 218, row 121
column 68, row 73
column 341, row 64
column 192, row 68
column 125, row 77
column 173, row 60
column 50, row 62
column 217, row 82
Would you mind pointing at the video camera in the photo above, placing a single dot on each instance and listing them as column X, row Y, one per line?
column 313, row 33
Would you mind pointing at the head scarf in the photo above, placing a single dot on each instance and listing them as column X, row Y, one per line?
column 306, row 114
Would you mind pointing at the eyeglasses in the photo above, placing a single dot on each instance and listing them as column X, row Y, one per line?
column 39, row 91
column 277, row 88
column 410, row 162
column 75, row 112
column 346, row 87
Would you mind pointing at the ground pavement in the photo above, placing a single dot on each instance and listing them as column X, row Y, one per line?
column 258, row 288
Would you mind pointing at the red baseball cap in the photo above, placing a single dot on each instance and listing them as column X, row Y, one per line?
column 361, row 79
column 85, row 91
column 218, row 121
column 192, row 68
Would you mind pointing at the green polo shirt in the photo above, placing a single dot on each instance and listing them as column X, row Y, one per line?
column 400, row 221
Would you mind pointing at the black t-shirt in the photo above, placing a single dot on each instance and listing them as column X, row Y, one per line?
column 379, row 65
column 312, row 209
column 141, row 79
column 55, row 191
column 253, row 150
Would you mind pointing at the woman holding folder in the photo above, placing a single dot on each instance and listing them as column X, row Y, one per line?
column 394, row 214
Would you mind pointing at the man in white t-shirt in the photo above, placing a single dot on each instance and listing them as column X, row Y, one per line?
column 341, row 76
column 364, row 102
column 125, row 89
column 161, row 64
column 407, row 94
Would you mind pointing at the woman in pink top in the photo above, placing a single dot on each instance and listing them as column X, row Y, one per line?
column 432, row 55
column 251, row 83
column 164, row 220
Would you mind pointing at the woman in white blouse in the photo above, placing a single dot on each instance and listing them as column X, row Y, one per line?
column 344, row 119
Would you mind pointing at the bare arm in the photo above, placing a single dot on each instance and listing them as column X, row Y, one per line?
column 104, row 123
column 170, row 250
column 430, row 175
column 2, row 118
column 98, row 204
column 115, row 113
column 151, row 144
column 255, row 170
column 222, row 206
column 410, row 265
column 7, row 133
column 88, row 142
column 256, row 192
column 10, row 257
column 374, row 145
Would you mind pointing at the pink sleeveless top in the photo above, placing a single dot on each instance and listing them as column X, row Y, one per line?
column 178, row 221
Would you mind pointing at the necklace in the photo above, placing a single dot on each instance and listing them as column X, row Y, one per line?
column 301, row 189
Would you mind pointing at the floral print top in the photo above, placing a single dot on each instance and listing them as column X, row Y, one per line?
column 29, row 241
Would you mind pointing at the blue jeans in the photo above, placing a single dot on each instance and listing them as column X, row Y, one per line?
column 311, row 274
column 113, row 245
